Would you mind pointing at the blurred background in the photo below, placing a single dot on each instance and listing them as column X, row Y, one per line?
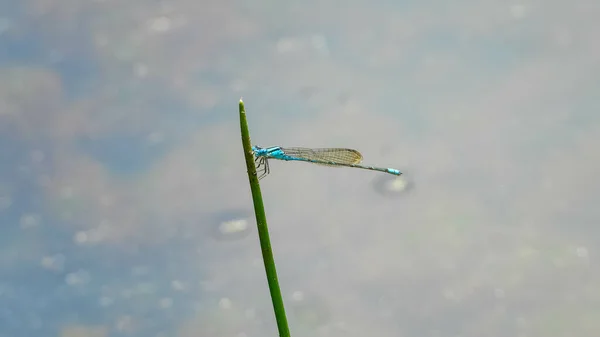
column 125, row 208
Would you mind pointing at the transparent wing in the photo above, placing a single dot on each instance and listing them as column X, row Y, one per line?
column 333, row 155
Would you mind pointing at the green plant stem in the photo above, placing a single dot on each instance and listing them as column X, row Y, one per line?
column 263, row 230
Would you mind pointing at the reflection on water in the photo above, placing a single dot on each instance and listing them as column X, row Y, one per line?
column 308, row 309
column 233, row 225
column 125, row 210
column 393, row 186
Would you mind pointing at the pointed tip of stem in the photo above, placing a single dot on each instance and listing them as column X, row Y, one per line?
column 242, row 110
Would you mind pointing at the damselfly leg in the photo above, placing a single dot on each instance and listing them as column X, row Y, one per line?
column 262, row 167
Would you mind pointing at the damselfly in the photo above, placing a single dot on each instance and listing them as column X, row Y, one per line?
column 328, row 156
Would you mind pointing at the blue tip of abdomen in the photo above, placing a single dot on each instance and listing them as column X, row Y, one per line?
column 394, row 171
